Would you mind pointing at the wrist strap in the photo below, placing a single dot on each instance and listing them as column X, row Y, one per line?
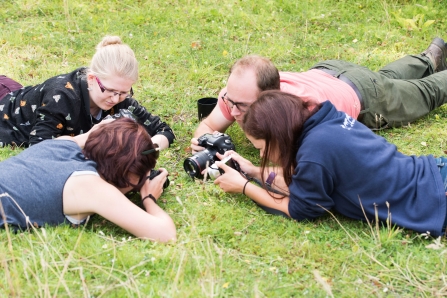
column 245, row 185
column 150, row 196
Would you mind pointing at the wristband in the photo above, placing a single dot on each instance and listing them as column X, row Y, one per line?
column 243, row 190
column 150, row 196
column 270, row 179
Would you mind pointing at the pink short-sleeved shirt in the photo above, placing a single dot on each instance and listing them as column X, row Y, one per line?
column 314, row 85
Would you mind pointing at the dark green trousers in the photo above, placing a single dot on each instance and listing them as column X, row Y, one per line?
column 399, row 93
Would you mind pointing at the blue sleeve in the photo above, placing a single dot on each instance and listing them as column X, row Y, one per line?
column 310, row 191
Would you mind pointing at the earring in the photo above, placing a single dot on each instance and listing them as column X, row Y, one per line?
column 89, row 89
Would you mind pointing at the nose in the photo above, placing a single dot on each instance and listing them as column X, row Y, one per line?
column 115, row 97
column 235, row 111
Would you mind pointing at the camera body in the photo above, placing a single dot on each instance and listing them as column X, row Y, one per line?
column 213, row 143
column 155, row 173
column 214, row 171
column 122, row 113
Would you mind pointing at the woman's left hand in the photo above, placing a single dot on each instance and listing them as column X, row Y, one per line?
column 231, row 181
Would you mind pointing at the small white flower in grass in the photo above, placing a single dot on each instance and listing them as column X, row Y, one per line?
column 436, row 244
column 130, row 35
column 385, row 290
column 104, row 246
column 355, row 40
column 101, row 233
column 306, row 232
column 153, row 259
column 426, row 235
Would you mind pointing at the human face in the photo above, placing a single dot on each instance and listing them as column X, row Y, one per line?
column 242, row 91
column 134, row 179
column 106, row 93
column 260, row 145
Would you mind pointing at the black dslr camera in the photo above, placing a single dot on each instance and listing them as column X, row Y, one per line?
column 213, row 143
column 122, row 113
column 155, row 173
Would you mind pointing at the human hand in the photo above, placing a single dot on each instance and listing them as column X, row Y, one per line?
column 245, row 165
column 195, row 146
column 155, row 185
column 231, row 180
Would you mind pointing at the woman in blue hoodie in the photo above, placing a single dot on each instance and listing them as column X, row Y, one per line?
column 328, row 161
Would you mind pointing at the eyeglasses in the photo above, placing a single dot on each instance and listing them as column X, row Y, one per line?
column 155, row 151
column 121, row 95
column 242, row 107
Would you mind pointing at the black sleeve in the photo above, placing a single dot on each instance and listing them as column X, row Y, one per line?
column 59, row 108
column 152, row 123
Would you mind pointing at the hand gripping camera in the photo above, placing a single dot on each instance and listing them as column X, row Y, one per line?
column 213, row 143
column 214, row 171
column 155, row 173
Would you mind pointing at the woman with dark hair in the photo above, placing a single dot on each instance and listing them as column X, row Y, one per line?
column 330, row 161
column 67, row 179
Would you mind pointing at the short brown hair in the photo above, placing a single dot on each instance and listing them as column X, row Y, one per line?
column 116, row 148
column 267, row 75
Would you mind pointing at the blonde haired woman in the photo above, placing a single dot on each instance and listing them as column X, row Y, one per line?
column 70, row 104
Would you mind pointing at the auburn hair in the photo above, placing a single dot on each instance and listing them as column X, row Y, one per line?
column 117, row 149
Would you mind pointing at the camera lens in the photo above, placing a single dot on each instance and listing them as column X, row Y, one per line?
column 191, row 167
column 195, row 164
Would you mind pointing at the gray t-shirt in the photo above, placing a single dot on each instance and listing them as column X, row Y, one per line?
column 32, row 182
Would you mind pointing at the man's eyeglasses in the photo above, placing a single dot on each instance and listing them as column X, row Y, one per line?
column 242, row 107
column 121, row 95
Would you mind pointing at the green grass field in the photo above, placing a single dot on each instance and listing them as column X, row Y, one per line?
column 226, row 246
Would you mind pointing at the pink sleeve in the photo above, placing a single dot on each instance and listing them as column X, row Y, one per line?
column 223, row 107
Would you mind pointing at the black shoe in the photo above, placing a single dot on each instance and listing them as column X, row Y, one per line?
column 437, row 52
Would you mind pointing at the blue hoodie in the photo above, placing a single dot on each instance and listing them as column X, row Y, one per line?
column 343, row 166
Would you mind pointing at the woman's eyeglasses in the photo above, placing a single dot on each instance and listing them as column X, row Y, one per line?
column 242, row 107
column 121, row 95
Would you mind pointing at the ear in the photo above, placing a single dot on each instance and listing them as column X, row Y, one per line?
column 90, row 78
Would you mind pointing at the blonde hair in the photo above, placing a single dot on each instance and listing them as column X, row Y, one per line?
column 114, row 58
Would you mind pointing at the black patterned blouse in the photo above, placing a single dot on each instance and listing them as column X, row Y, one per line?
column 61, row 106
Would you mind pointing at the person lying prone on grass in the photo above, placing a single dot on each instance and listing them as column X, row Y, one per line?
column 67, row 179
column 332, row 162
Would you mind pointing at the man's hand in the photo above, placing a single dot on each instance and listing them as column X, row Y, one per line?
column 195, row 146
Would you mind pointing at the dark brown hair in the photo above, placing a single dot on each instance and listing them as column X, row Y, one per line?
column 278, row 118
column 267, row 75
column 116, row 148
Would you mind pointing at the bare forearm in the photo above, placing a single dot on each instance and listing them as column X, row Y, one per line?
column 167, row 232
column 161, row 140
column 202, row 129
column 262, row 197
